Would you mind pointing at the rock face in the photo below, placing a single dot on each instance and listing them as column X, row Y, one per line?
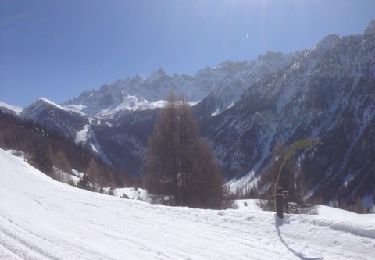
column 224, row 84
column 245, row 109
column 55, row 117
column 238, row 78
column 137, row 93
column 328, row 93
column 370, row 28
column 124, row 139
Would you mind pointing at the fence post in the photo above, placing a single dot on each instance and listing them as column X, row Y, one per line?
column 286, row 201
column 280, row 204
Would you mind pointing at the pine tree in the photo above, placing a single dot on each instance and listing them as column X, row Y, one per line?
column 179, row 163
column 161, row 159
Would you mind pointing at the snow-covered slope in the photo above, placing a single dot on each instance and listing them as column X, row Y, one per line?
column 44, row 219
column 55, row 117
column 6, row 108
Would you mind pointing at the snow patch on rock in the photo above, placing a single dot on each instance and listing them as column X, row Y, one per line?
column 83, row 134
column 6, row 107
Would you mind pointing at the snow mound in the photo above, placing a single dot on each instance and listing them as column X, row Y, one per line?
column 132, row 193
column 44, row 219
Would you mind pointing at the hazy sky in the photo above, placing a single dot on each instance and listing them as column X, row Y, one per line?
column 57, row 49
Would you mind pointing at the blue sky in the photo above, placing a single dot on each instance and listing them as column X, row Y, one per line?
column 57, row 49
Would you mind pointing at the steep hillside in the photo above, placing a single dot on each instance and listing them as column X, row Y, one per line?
column 238, row 78
column 56, row 155
column 328, row 93
column 55, row 117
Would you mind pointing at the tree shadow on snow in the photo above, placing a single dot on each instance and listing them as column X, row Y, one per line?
column 278, row 223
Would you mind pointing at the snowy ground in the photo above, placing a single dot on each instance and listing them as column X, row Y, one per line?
column 44, row 219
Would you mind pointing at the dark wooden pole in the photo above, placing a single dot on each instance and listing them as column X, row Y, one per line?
column 280, row 204
column 286, row 201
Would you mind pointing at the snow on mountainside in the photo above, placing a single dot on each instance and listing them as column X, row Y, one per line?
column 88, row 118
column 44, row 219
column 44, row 102
column 67, row 121
column 224, row 83
column 55, row 117
column 6, row 108
column 326, row 93
column 137, row 93
column 240, row 76
column 245, row 109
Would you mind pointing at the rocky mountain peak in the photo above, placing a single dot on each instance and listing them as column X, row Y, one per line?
column 328, row 42
column 42, row 102
column 370, row 28
column 156, row 75
column 270, row 55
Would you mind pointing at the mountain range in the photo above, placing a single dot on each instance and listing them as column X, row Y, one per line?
column 245, row 109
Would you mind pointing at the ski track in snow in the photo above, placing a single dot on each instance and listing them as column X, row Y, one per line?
column 44, row 219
